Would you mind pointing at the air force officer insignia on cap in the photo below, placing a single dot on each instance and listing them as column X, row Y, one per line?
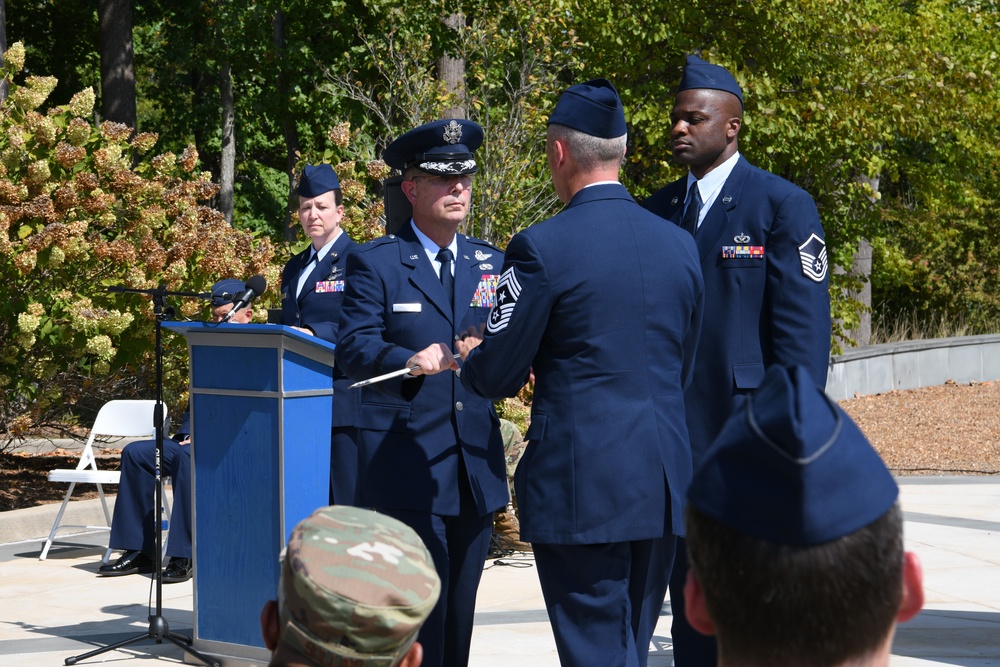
column 508, row 289
column 452, row 132
column 813, row 256
column 443, row 148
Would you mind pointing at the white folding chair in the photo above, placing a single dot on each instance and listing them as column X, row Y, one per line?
column 119, row 418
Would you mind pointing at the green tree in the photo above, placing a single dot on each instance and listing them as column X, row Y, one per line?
column 848, row 99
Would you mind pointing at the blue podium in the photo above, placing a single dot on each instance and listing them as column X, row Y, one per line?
column 261, row 402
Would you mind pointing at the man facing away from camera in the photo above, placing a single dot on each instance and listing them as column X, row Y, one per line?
column 795, row 536
column 355, row 588
column 603, row 302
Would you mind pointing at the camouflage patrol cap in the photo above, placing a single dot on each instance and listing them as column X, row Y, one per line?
column 355, row 588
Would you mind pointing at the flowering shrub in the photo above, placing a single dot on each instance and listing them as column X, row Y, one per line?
column 85, row 207
column 360, row 178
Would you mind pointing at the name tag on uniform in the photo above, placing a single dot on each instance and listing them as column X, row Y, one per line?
column 407, row 307
column 324, row 286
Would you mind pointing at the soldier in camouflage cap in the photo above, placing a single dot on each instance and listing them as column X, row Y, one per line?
column 355, row 588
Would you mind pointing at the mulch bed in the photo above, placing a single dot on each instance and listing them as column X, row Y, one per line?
column 951, row 429
column 24, row 480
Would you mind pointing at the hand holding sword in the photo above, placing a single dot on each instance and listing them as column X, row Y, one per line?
column 433, row 359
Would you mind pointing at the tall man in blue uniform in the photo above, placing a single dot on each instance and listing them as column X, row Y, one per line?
column 312, row 290
column 764, row 260
column 603, row 301
column 134, row 521
column 430, row 451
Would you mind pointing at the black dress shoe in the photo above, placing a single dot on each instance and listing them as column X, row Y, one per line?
column 131, row 562
column 178, row 570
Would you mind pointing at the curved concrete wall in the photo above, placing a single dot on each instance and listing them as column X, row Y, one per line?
column 875, row 369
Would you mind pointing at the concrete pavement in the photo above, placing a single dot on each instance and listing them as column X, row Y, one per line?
column 59, row 608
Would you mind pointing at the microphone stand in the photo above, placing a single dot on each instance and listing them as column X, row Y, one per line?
column 158, row 630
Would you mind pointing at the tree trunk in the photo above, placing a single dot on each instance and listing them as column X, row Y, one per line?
column 117, row 62
column 862, row 266
column 451, row 72
column 3, row 45
column 288, row 127
column 227, row 167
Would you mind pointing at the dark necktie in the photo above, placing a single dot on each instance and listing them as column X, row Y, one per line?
column 690, row 221
column 447, row 280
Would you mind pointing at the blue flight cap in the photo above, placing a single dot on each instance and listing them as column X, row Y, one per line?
column 227, row 291
column 317, row 179
column 790, row 467
column 443, row 147
column 593, row 108
column 701, row 74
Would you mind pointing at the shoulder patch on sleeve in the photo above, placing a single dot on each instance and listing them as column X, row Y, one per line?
column 812, row 253
column 507, row 291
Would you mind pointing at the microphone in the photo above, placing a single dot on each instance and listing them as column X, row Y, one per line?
column 255, row 287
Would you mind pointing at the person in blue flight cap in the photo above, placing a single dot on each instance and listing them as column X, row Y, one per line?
column 603, row 302
column 430, row 451
column 134, row 520
column 763, row 257
column 312, row 291
column 795, row 536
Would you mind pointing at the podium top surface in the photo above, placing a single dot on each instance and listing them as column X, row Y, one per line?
column 251, row 335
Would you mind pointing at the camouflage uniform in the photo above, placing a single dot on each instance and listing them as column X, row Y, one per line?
column 505, row 523
column 513, row 449
column 355, row 588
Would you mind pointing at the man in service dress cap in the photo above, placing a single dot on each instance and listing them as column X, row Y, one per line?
column 430, row 451
column 796, row 537
column 763, row 257
column 603, row 301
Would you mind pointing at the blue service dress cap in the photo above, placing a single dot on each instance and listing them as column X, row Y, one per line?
column 442, row 147
column 790, row 467
column 701, row 74
column 317, row 179
column 592, row 107
column 227, row 291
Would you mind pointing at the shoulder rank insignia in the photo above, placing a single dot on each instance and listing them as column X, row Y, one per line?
column 812, row 253
column 508, row 290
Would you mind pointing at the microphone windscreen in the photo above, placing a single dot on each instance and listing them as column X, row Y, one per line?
column 258, row 284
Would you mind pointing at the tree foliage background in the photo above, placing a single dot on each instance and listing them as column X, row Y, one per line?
column 885, row 112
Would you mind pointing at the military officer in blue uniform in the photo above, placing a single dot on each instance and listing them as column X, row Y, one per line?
column 764, row 260
column 134, row 520
column 603, row 301
column 312, row 290
column 430, row 451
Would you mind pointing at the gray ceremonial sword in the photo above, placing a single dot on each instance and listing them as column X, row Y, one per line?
column 387, row 376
